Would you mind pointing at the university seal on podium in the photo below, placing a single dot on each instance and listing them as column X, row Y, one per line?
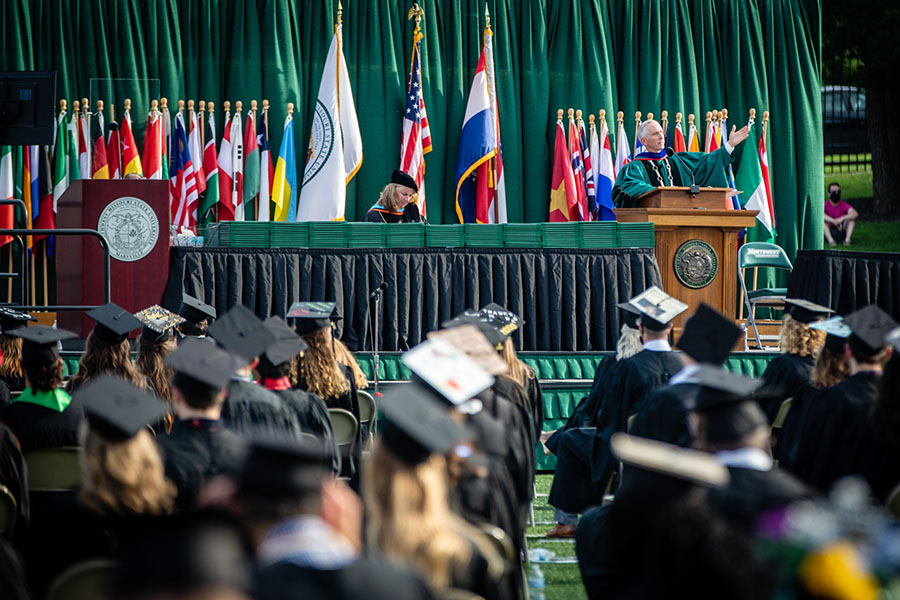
column 696, row 264
column 131, row 228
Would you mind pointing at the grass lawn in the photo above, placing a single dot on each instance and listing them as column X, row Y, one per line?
column 874, row 236
column 856, row 184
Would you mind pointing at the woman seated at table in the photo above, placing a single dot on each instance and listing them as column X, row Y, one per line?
column 397, row 203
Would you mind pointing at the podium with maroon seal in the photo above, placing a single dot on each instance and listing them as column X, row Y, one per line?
column 696, row 244
column 133, row 216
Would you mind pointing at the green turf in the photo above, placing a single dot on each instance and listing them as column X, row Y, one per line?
column 874, row 236
column 854, row 184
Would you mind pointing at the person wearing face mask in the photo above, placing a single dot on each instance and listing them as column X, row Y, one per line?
column 840, row 217
column 397, row 202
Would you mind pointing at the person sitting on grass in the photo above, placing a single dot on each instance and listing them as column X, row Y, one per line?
column 840, row 217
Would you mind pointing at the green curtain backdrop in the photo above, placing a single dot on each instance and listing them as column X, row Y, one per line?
column 679, row 55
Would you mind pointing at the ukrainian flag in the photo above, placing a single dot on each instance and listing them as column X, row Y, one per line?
column 284, row 187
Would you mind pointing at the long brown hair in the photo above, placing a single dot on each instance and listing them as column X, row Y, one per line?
column 830, row 369
column 410, row 520
column 151, row 362
column 126, row 477
column 102, row 358
column 797, row 338
column 11, row 347
column 345, row 357
column 518, row 370
column 318, row 370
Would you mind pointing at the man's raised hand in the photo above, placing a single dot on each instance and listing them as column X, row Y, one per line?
column 738, row 136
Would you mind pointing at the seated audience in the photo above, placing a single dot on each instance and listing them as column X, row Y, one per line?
column 196, row 314
column 840, row 217
column 107, row 350
column 12, row 378
column 156, row 342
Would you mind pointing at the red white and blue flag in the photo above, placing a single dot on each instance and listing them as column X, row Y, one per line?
column 605, row 176
column 183, row 196
column 416, row 133
column 578, row 170
column 480, row 186
column 623, row 152
column 589, row 183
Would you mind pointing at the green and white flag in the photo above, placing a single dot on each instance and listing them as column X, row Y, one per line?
column 749, row 179
column 251, row 167
column 65, row 157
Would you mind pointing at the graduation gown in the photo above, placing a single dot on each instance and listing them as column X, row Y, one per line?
column 750, row 493
column 380, row 214
column 789, row 373
column 312, row 416
column 13, row 474
column 644, row 174
column 38, row 426
column 833, row 438
column 535, row 404
column 794, row 427
column 250, row 407
column 197, row 450
column 664, row 415
column 363, row 578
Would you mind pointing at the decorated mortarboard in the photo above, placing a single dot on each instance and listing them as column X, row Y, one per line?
column 313, row 316
column 657, row 308
column 630, row 314
column 40, row 344
column 836, row 332
column 470, row 338
column 805, row 311
column 719, row 387
column 502, row 319
column 448, row 370
column 416, row 425
column 287, row 345
column 491, row 333
column 869, row 326
column 241, row 334
column 708, row 336
column 13, row 319
column 114, row 323
column 117, row 409
column 195, row 310
column 668, row 459
column 284, row 467
column 403, row 178
column 159, row 323
column 204, row 362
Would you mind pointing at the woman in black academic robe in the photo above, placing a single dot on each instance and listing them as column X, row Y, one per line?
column 397, row 202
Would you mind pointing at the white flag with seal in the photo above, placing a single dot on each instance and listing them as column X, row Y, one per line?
column 335, row 144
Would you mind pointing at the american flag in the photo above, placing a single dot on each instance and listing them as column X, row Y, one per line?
column 416, row 133
column 588, row 171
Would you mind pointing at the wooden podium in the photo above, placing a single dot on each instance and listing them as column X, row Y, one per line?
column 133, row 215
column 696, row 244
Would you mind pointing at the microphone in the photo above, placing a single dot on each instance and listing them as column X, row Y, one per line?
column 670, row 151
column 380, row 289
column 694, row 188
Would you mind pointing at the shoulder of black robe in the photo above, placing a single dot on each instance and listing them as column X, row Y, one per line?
column 751, row 493
column 194, row 455
column 878, row 464
column 585, row 413
column 15, row 384
column 376, row 215
column 664, row 414
column 535, row 404
column 249, row 407
column 13, row 474
column 363, row 578
column 5, row 395
column 40, row 427
column 312, row 415
column 519, row 434
column 789, row 373
column 599, row 571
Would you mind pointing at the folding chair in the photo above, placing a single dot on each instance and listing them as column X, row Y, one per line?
column 53, row 469
column 757, row 255
column 8, row 509
column 782, row 414
column 345, row 427
column 368, row 415
column 86, row 580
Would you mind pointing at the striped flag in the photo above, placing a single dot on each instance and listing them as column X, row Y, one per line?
column 712, row 137
column 167, row 141
column 416, row 132
column 65, row 156
column 563, row 203
column 84, row 144
column 196, row 153
column 226, row 180
column 154, row 139
column 578, row 170
column 7, row 191
column 266, row 172
column 237, row 167
column 113, row 151
column 751, row 179
column 606, row 175
column 251, row 166
column 46, row 216
column 623, row 157
column 678, row 139
column 131, row 159
column 693, row 143
column 284, row 184
column 589, row 183
column 99, row 161
column 183, row 197
column 211, row 169
column 764, row 168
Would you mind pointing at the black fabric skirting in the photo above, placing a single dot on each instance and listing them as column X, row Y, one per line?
column 567, row 297
column 847, row 281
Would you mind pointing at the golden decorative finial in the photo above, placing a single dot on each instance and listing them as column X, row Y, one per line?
column 487, row 16
column 190, row 105
column 227, row 105
column 691, row 119
column 620, row 116
column 752, row 114
column 180, row 106
column 127, row 104
column 649, row 116
column 290, row 108
column 571, row 114
column 765, row 116
column 201, row 106
column 210, row 107
column 340, row 13
column 253, row 105
column 637, row 117
column 99, row 105
column 678, row 118
column 559, row 114
column 85, row 106
column 724, row 114
column 578, row 114
column 154, row 106
column 416, row 13
column 664, row 115
column 715, row 116
column 602, row 114
column 265, row 106
column 76, row 106
column 62, row 105
column 591, row 119
column 238, row 106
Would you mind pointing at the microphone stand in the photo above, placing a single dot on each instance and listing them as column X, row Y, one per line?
column 373, row 325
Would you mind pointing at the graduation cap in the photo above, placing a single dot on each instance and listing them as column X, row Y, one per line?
column 657, row 308
column 313, row 316
column 114, row 323
column 118, row 409
column 13, row 319
column 503, row 320
column 726, row 402
column 416, row 425
column 493, row 335
column 402, row 178
column 805, row 311
column 40, row 344
column 667, row 459
column 471, row 341
column 836, row 332
column 630, row 314
column 283, row 467
column 448, row 370
column 194, row 310
column 869, row 326
column 708, row 336
column 720, row 387
column 242, row 334
column 159, row 323
column 204, row 362
column 288, row 344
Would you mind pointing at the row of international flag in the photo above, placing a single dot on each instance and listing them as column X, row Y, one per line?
column 587, row 165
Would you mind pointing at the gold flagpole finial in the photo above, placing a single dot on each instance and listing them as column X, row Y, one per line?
column 340, row 13
column 487, row 16
column 416, row 13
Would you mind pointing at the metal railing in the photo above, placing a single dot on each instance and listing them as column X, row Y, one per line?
column 845, row 136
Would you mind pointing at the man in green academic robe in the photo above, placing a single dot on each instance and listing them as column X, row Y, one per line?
column 655, row 166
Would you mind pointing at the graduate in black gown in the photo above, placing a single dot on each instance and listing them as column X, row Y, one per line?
column 584, row 464
column 799, row 345
column 200, row 447
column 123, row 483
column 397, row 202
column 12, row 378
column 309, row 529
column 156, row 342
column 838, row 438
column 248, row 405
column 196, row 314
column 274, row 369
column 707, row 338
column 44, row 415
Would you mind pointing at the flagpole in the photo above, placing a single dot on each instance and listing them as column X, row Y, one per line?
column 202, row 124
column 337, row 33
column 226, row 107
column 46, row 259
column 620, row 125
column 255, row 209
column 664, row 121
column 637, row 123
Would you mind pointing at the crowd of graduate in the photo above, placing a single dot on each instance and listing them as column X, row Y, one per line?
column 210, row 467
column 702, row 477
